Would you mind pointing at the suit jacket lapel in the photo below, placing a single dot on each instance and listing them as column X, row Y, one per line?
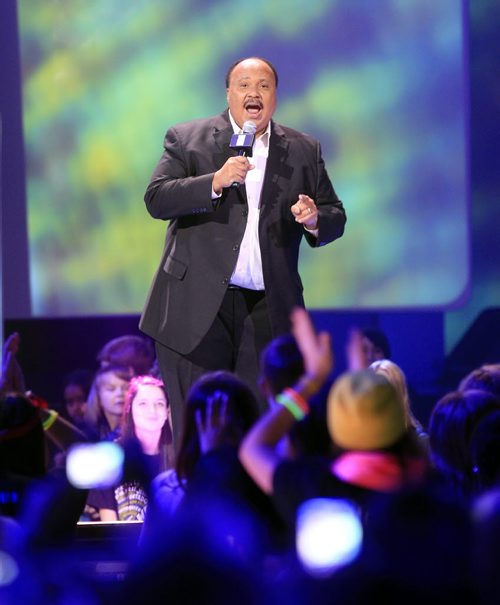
column 276, row 169
column 222, row 137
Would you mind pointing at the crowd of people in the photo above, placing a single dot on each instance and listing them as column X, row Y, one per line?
column 220, row 514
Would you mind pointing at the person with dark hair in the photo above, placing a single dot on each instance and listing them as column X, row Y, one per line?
column 377, row 344
column 24, row 466
column 76, row 388
column 451, row 426
column 366, row 346
column 219, row 412
column 240, row 409
column 240, row 412
column 483, row 378
column 281, row 364
column 130, row 351
column 22, row 449
column 228, row 277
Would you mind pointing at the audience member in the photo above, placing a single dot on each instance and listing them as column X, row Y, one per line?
column 417, row 548
column 219, row 411
column 104, row 409
column 205, row 394
column 22, row 449
column 452, row 422
column 367, row 425
column 484, row 378
column 60, row 433
column 281, row 365
column 396, row 377
column 365, row 346
column 130, row 351
column 11, row 378
column 24, row 479
column 146, row 437
column 76, row 388
column 370, row 348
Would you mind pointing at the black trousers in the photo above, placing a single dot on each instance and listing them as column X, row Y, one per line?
column 234, row 342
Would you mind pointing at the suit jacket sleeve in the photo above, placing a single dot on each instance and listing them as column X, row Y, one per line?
column 331, row 213
column 177, row 188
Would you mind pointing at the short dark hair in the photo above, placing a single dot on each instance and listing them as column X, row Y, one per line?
column 379, row 340
column 242, row 412
column 129, row 350
column 281, row 363
column 482, row 379
column 233, row 65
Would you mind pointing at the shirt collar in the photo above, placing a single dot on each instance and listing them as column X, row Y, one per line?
column 264, row 137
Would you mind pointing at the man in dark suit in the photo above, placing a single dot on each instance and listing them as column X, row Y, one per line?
column 228, row 277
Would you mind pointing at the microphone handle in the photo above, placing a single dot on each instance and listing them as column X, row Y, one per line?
column 243, row 153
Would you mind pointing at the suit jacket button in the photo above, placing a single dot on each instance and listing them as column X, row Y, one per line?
column 225, row 281
column 244, row 212
column 236, row 247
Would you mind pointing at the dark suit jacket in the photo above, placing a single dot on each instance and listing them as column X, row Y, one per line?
column 203, row 237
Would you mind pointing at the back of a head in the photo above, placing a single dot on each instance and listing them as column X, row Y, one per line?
column 281, row 363
column 132, row 351
column 364, row 412
column 396, row 377
column 484, row 378
column 451, row 425
column 379, row 341
column 241, row 413
column 81, row 377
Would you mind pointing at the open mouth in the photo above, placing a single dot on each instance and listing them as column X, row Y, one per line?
column 253, row 108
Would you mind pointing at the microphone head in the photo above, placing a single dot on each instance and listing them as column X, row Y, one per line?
column 249, row 127
column 243, row 143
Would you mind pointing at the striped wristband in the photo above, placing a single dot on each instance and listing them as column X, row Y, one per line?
column 294, row 403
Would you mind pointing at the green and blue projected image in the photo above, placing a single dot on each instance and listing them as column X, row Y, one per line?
column 380, row 84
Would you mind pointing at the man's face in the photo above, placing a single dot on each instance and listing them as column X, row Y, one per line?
column 251, row 95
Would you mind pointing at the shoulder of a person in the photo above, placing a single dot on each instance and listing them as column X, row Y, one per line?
column 294, row 135
column 200, row 124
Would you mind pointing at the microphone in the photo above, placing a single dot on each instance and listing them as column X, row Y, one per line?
column 243, row 143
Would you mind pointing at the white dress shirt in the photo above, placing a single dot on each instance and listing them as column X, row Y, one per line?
column 248, row 270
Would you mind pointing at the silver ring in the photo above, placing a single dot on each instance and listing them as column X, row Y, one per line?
column 309, row 210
